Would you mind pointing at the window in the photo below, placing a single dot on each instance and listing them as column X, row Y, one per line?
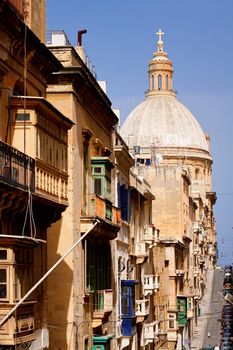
column 22, row 281
column 22, row 117
column 3, row 254
column 167, row 81
column 159, row 82
column 98, row 266
column 182, row 310
column 16, row 274
column 128, row 327
column 97, row 170
column 152, row 83
column 3, row 283
column 101, row 177
column 127, row 300
column 98, row 187
column 171, row 323
column 86, row 346
column 123, row 201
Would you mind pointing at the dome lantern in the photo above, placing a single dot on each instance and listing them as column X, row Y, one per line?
column 160, row 71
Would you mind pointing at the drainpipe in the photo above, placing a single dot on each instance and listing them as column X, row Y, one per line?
column 47, row 273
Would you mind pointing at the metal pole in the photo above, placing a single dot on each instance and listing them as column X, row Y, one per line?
column 46, row 275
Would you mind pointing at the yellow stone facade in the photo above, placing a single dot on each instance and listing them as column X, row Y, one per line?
column 172, row 153
column 140, row 216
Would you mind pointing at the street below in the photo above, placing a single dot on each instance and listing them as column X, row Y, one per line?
column 208, row 328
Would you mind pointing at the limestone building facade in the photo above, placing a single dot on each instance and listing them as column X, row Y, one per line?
column 140, row 212
column 33, row 177
column 172, row 152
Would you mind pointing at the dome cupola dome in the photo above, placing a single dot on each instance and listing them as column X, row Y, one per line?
column 161, row 121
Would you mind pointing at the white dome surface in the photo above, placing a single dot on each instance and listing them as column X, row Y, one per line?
column 162, row 121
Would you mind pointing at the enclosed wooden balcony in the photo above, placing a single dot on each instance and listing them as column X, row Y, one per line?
column 103, row 209
column 19, row 328
column 39, row 130
column 108, row 215
column 16, row 278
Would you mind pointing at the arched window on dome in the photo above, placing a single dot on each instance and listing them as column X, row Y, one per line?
column 159, row 82
column 152, row 82
column 167, row 82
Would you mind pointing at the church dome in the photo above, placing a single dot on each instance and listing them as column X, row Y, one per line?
column 161, row 120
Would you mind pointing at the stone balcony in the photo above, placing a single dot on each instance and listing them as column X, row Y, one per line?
column 150, row 332
column 142, row 307
column 151, row 284
column 140, row 251
column 179, row 273
column 151, row 234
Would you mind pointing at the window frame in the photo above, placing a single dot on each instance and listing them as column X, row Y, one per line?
column 7, row 283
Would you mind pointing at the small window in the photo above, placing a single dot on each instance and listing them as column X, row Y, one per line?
column 3, row 254
column 152, row 83
column 167, row 82
column 171, row 321
column 97, row 186
column 97, row 170
column 171, row 324
column 3, row 284
column 22, row 116
column 86, row 346
column 159, row 82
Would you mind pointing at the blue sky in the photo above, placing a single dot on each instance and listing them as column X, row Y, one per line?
column 120, row 42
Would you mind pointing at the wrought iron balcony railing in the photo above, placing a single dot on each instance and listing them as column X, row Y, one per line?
column 16, row 168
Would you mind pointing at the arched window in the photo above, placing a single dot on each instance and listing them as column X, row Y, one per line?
column 167, row 82
column 152, row 83
column 159, row 82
